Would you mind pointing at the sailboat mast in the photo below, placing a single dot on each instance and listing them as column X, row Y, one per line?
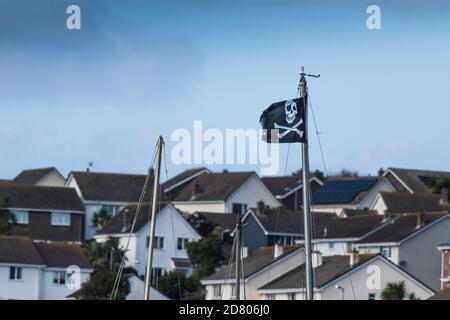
column 306, row 198
column 155, row 201
column 238, row 257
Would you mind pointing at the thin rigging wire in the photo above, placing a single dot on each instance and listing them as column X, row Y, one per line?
column 116, row 284
column 171, row 221
column 326, row 175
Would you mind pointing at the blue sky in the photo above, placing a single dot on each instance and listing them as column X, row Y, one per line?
column 143, row 68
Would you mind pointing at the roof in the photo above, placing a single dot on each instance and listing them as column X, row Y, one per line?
column 401, row 202
column 33, row 176
column 114, row 187
column 258, row 260
column 401, row 227
column 22, row 250
column 227, row 221
column 59, row 255
column 326, row 225
column 116, row 224
column 19, row 250
column 417, row 180
column 343, row 190
column 41, row 198
column 442, row 295
column 280, row 185
column 281, row 220
column 331, row 268
column 183, row 177
column 181, row 263
column 213, row 186
column 349, row 213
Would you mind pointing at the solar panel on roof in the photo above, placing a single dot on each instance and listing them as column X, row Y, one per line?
column 341, row 191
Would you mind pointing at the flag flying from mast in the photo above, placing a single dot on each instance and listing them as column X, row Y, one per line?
column 284, row 121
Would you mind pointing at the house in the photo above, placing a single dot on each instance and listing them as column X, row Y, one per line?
column 224, row 192
column 444, row 248
column 40, row 271
column 441, row 295
column 289, row 189
column 46, row 177
column 109, row 191
column 404, row 202
column 172, row 233
column 331, row 236
column 410, row 241
column 45, row 213
column 341, row 193
column 174, row 185
column 260, row 267
column 402, row 180
column 348, row 277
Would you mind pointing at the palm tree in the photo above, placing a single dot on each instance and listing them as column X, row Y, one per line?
column 394, row 291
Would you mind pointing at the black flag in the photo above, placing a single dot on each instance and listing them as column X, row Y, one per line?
column 287, row 118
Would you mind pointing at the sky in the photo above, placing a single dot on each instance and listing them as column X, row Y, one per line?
column 138, row 69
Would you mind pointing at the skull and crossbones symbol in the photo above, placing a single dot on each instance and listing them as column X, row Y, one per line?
column 290, row 109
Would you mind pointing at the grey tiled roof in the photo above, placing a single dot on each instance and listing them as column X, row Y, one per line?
column 213, row 186
column 114, row 187
column 41, row 198
column 416, row 179
column 183, row 176
column 258, row 260
column 33, row 176
column 280, row 185
column 401, row 202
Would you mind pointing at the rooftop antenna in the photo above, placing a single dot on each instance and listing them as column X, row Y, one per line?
column 90, row 165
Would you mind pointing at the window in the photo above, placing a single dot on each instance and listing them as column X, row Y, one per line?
column 59, row 278
column 270, row 297
column 111, row 209
column 21, row 216
column 158, row 243
column 181, row 243
column 371, row 296
column 291, row 296
column 386, row 252
column 217, row 291
column 15, row 273
column 60, row 219
column 156, row 274
column 331, row 245
column 239, row 208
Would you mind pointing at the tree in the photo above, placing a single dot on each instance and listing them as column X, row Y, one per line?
column 176, row 285
column 7, row 218
column 206, row 254
column 437, row 184
column 316, row 173
column 394, row 291
column 105, row 258
column 200, row 224
column 100, row 218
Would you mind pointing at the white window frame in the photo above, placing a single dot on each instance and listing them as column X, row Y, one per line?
column 292, row 296
column 17, row 273
column 57, row 276
column 386, row 250
column 62, row 223
column 158, row 243
column 331, row 245
column 184, row 242
column 270, row 296
column 371, row 294
column 22, row 216
column 244, row 207
column 217, row 291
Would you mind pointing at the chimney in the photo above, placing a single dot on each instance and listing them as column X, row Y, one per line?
column 151, row 172
column 419, row 220
column 386, row 216
column 244, row 252
column 354, row 258
column 444, row 197
column 277, row 250
column 125, row 220
column 316, row 259
column 261, row 207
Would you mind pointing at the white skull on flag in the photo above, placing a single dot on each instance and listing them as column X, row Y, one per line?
column 290, row 108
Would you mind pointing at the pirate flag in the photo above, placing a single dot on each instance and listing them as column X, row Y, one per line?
column 288, row 120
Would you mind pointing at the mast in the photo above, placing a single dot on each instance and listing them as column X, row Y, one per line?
column 155, row 201
column 306, row 198
column 238, row 257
